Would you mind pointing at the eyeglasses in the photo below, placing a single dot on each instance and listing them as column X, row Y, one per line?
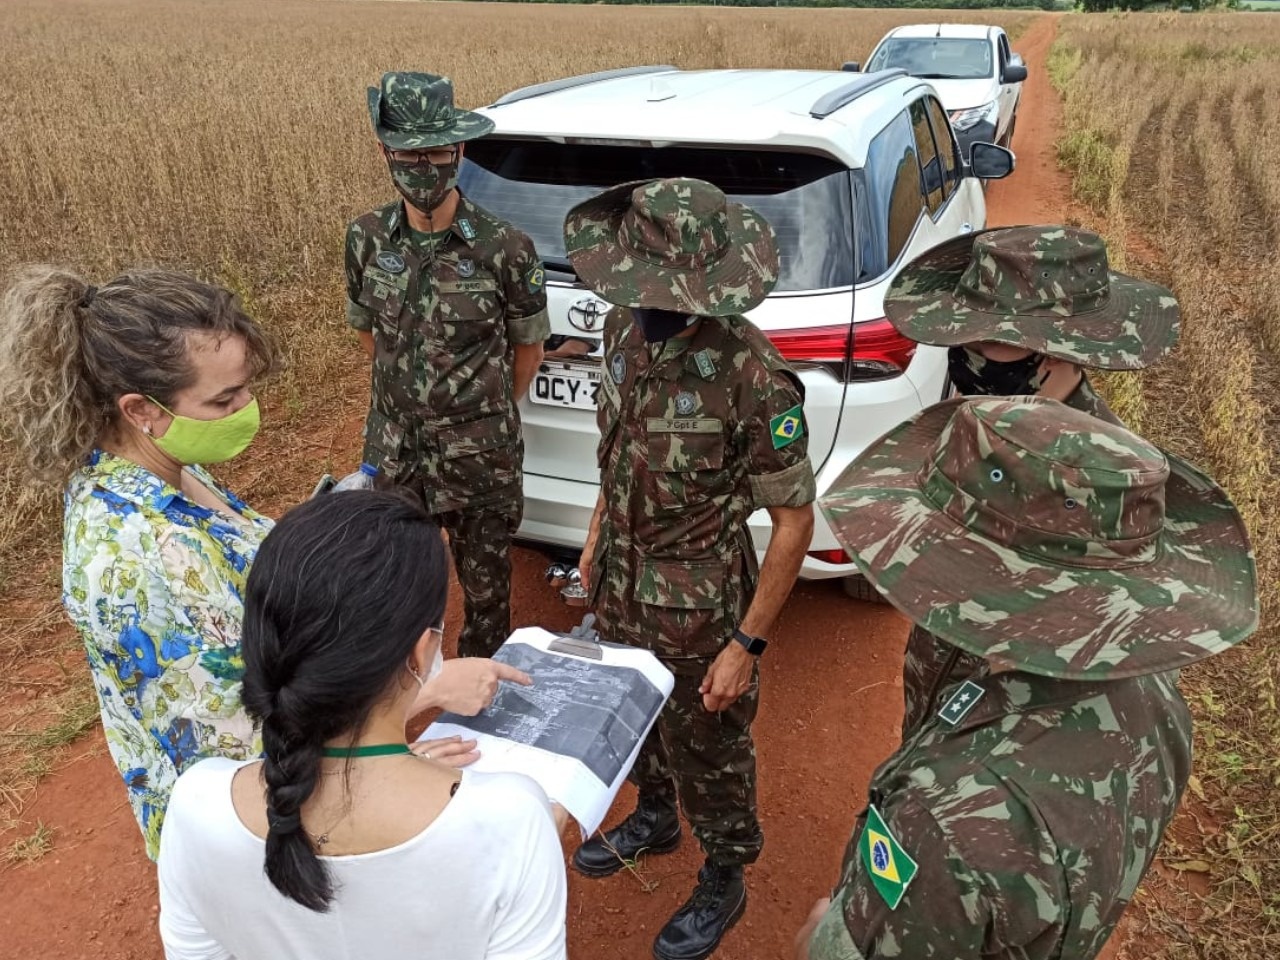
column 436, row 156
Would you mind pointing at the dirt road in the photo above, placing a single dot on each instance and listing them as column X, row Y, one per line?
column 831, row 707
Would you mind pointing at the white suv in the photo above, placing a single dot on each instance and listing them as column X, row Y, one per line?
column 977, row 75
column 856, row 173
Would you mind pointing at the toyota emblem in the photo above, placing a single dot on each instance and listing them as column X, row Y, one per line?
column 587, row 314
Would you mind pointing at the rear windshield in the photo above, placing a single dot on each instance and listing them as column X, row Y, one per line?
column 935, row 58
column 807, row 199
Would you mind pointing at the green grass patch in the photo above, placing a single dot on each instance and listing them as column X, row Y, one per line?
column 1091, row 160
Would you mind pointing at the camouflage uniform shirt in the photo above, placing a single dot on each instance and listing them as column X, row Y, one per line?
column 445, row 321
column 1032, row 821
column 929, row 664
column 696, row 434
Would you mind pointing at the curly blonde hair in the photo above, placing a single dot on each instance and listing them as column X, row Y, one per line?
column 69, row 351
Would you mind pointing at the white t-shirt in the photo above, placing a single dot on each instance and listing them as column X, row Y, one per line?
column 484, row 881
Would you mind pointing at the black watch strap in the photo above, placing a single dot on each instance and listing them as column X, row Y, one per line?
column 753, row 645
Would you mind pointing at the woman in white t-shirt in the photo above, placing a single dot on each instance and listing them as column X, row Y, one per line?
column 370, row 851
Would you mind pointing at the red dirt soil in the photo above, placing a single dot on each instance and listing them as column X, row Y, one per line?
column 831, row 709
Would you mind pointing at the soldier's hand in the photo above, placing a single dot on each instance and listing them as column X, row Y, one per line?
column 584, row 567
column 728, row 678
column 468, row 685
column 806, row 932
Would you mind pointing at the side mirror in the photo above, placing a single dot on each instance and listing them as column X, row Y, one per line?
column 1013, row 73
column 851, row 66
column 990, row 162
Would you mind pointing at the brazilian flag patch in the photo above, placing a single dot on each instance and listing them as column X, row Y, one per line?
column 891, row 869
column 787, row 427
column 535, row 279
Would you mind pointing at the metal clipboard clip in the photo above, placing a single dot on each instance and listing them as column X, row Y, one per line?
column 581, row 641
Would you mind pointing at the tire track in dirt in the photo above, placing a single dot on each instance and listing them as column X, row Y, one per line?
column 1039, row 191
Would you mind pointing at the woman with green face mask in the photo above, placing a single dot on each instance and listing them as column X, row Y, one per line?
column 120, row 394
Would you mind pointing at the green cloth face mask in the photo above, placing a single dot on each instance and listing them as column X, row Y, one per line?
column 209, row 441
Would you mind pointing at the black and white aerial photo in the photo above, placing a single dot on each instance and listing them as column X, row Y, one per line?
column 576, row 708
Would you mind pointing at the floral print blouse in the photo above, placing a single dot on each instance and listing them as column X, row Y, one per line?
column 154, row 583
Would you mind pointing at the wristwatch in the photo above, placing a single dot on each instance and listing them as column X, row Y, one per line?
column 753, row 645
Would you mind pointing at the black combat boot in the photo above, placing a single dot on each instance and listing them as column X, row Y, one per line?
column 652, row 828
column 717, row 903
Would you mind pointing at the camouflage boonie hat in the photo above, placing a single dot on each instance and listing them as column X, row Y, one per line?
column 1048, row 289
column 674, row 244
column 1021, row 528
column 415, row 111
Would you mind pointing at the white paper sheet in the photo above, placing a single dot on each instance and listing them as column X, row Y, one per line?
column 591, row 717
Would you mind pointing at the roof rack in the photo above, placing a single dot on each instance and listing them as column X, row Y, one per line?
column 554, row 86
column 829, row 103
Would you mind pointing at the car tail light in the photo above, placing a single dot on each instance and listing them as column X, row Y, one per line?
column 879, row 351
column 830, row 556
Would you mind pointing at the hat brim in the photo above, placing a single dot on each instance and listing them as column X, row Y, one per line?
column 467, row 125
column 1137, row 326
column 738, row 282
column 1197, row 598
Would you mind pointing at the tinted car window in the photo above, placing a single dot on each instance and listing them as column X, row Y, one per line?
column 936, row 58
column 948, row 149
column 894, row 196
column 807, row 199
column 930, row 163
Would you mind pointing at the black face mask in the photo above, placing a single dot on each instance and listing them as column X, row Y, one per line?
column 972, row 374
column 659, row 325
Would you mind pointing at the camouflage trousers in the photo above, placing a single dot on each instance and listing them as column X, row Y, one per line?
column 480, row 542
column 923, row 678
column 706, row 761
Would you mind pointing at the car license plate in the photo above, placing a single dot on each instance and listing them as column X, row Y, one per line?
column 566, row 386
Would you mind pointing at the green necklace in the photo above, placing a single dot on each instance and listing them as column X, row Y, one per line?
column 371, row 750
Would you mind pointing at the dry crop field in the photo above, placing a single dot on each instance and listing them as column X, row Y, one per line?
column 232, row 139
column 1173, row 136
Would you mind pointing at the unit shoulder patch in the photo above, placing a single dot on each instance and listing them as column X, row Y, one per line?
column 786, row 428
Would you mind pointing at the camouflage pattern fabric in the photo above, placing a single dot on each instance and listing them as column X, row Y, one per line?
column 1049, row 289
column 687, row 453
column 1032, row 821
column 925, row 666
column 480, row 544
column 696, row 434
column 415, row 111
column 445, row 321
column 714, row 763
column 675, row 244
column 1024, row 529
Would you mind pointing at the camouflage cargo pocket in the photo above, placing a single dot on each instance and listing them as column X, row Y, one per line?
column 479, row 456
column 681, row 606
column 686, row 468
column 384, row 294
column 383, row 445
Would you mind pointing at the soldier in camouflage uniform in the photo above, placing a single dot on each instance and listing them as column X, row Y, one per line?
column 1084, row 567
column 1024, row 310
column 701, row 424
column 449, row 303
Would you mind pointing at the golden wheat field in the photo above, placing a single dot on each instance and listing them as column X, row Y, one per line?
column 1172, row 132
